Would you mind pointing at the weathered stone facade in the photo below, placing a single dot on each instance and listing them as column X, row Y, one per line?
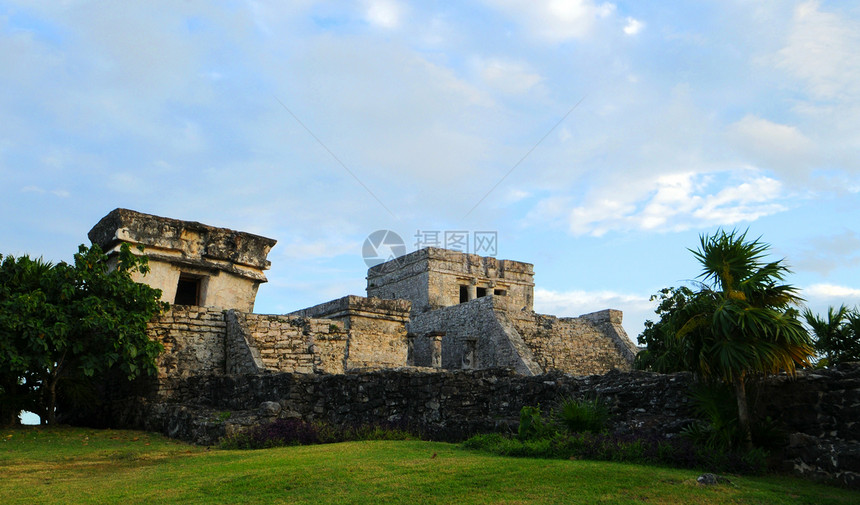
column 193, row 339
column 256, row 343
column 590, row 344
column 376, row 328
column 460, row 310
column 472, row 312
column 362, row 334
column 433, row 278
column 191, row 263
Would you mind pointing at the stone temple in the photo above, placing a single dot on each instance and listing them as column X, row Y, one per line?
column 430, row 309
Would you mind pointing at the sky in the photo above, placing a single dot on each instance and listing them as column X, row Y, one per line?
column 595, row 140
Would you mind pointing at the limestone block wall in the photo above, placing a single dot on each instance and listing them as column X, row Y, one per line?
column 193, row 340
column 431, row 278
column 490, row 332
column 591, row 344
column 476, row 336
column 376, row 329
column 258, row 342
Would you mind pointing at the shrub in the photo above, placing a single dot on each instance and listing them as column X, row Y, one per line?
column 677, row 452
column 585, row 414
column 718, row 427
column 532, row 426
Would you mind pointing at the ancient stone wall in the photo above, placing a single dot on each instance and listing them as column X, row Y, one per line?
column 361, row 333
column 591, row 344
column 819, row 410
column 284, row 344
column 193, row 339
column 474, row 335
column 376, row 329
column 489, row 332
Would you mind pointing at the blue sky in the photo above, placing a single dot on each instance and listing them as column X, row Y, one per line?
column 690, row 116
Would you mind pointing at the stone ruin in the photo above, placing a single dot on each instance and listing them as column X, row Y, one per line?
column 191, row 263
column 433, row 308
column 446, row 343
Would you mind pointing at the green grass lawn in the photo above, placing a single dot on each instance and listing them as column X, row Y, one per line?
column 72, row 465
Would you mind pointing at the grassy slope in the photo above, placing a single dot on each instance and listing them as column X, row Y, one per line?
column 91, row 466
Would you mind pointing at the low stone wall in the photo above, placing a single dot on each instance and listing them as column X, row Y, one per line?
column 819, row 410
column 444, row 405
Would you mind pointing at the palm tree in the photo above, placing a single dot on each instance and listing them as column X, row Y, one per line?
column 837, row 339
column 741, row 323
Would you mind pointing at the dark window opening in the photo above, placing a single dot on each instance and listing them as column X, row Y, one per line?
column 410, row 349
column 187, row 291
column 464, row 294
column 469, row 355
column 482, row 292
column 500, row 292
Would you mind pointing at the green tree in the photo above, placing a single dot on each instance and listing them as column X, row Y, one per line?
column 63, row 323
column 662, row 350
column 837, row 339
column 740, row 324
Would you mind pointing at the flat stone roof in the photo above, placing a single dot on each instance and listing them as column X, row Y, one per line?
column 173, row 240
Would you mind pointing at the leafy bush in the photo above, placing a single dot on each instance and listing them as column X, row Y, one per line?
column 719, row 427
column 585, row 414
column 284, row 432
column 532, row 425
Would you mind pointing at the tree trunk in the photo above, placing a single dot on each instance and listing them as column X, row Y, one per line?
column 743, row 413
column 50, row 408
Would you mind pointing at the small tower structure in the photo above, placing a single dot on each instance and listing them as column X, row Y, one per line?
column 434, row 278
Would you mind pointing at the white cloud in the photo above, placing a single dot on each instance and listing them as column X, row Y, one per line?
column 823, row 50
column 747, row 201
column 633, row 26
column 384, row 13
column 507, row 76
column 674, row 202
column 782, row 148
column 832, row 292
column 62, row 193
column 556, row 20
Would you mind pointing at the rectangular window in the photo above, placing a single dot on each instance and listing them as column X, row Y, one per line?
column 464, row 294
column 469, row 354
column 500, row 292
column 187, row 291
column 482, row 292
